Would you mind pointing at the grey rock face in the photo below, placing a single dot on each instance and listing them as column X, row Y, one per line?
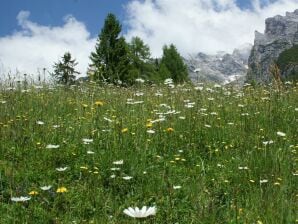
column 281, row 33
column 221, row 68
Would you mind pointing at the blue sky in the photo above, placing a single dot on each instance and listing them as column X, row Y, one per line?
column 36, row 33
column 51, row 12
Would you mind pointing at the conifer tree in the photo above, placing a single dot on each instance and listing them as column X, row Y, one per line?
column 140, row 58
column 173, row 62
column 64, row 71
column 110, row 57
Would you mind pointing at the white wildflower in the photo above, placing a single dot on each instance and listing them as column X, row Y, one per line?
column 52, row 146
column 150, row 131
column 46, row 188
column 115, row 168
column 140, row 213
column 281, row 134
column 20, row 199
column 118, row 162
column 90, row 152
column 268, row 142
column 61, row 169
column 87, row 141
column 139, row 80
column 263, row 181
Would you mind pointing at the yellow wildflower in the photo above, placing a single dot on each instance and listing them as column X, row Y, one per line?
column 124, row 130
column 149, row 125
column 33, row 193
column 61, row 190
column 170, row 130
column 98, row 103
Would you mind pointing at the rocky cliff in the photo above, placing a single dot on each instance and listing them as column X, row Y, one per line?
column 281, row 33
column 221, row 68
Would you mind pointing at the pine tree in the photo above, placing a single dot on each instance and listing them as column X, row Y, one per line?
column 64, row 71
column 173, row 62
column 111, row 52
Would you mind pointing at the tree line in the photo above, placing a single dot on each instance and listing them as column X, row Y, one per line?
column 116, row 61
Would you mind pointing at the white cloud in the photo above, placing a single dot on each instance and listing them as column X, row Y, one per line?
column 200, row 25
column 35, row 47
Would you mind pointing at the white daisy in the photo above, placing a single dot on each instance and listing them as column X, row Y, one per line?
column 90, row 152
column 263, row 181
column 87, row 141
column 281, row 134
column 40, row 122
column 127, row 178
column 50, row 146
column 268, row 142
column 115, row 168
column 150, row 131
column 140, row 213
column 20, row 199
column 119, row 162
column 61, row 169
column 46, row 188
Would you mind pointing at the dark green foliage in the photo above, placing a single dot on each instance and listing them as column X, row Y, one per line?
column 164, row 72
column 173, row 62
column 143, row 66
column 115, row 60
column 139, row 50
column 64, row 71
column 287, row 62
column 110, row 60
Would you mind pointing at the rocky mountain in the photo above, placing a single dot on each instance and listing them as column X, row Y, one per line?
column 221, row 68
column 281, row 33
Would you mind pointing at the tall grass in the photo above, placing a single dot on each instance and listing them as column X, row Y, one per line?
column 199, row 154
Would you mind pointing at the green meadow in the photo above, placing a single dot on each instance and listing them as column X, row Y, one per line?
column 199, row 154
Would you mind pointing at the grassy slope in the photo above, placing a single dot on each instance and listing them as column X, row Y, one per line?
column 223, row 132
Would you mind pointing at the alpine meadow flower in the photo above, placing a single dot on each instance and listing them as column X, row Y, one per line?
column 127, row 178
column 281, row 134
column 52, row 146
column 61, row 169
column 20, row 199
column 90, row 152
column 140, row 213
column 170, row 130
column 46, row 188
column 150, row 131
column 33, row 193
column 87, row 141
column 124, row 130
column 139, row 80
column 119, row 162
column 98, row 103
column 263, row 181
column 268, row 142
column 61, row 190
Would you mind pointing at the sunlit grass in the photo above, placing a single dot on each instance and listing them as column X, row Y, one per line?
column 198, row 154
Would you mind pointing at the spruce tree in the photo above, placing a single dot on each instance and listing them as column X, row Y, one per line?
column 64, row 71
column 173, row 62
column 111, row 52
